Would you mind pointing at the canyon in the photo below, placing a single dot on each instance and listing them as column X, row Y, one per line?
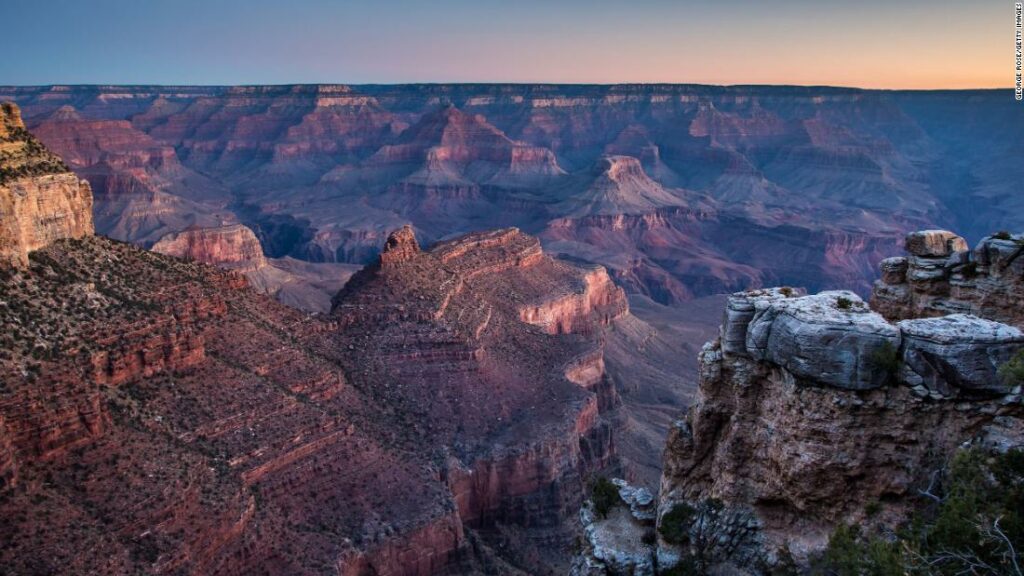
column 160, row 415
column 403, row 329
column 681, row 191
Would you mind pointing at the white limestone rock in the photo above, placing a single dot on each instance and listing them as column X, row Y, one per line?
column 739, row 311
column 957, row 352
column 830, row 338
column 894, row 270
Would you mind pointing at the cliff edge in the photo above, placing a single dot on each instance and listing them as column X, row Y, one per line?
column 40, row 199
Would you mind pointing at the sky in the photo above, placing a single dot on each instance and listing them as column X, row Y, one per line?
column 866, row 43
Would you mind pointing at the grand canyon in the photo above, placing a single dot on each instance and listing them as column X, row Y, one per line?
column 508, row 329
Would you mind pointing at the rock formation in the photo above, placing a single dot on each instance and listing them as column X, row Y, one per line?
column 621, row 542
column 814, row 411
column 942, row 276
column 233, row 246
column 40, row 199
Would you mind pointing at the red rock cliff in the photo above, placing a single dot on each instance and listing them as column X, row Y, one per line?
column 40, row 199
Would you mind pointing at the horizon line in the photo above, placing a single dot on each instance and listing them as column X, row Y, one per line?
column 488, row 83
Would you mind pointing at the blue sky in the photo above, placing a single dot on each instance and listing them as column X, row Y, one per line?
column 895, row 43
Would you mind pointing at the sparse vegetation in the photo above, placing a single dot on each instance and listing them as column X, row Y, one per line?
column 787, row 291
column 1012, row 373
column 885, row 359
column 605, row 496
column 675, row 524
column 844, row 303
column 970, row 522
column 1002, row 235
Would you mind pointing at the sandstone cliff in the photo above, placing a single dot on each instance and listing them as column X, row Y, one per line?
column 40, row 199
column 232, row 246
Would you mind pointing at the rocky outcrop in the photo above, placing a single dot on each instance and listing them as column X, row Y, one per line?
column 940, row 276
column 814, row 411
column 957, row 353
column 600, row 299
column 401, row 246
column 621, row 541
column 233, row 246
column 40, row 200
column 449, row 319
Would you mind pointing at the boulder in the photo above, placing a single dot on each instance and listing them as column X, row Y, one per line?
column 831, row 338
column 639, row 500
column 934, row 243
column 739, row 311
column 957, row 352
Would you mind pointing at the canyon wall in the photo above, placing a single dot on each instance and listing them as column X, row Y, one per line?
column 167, row 419
column 40, row 199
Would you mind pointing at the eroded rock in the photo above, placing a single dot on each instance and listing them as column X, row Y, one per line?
column 957, row 352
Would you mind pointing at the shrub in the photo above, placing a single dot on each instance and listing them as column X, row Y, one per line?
column 844, row 303
column 973, row 524
column 1002, row 235
column 885, row 359
column 675, row 524
column 786, row 291
column 848, row 554
column 1012, row 373
column 605, row 496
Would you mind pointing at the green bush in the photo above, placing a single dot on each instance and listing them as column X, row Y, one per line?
column 973, row 523
column 844, row 303
column 848, row 554
column 1012, row 373
column 605, row 496
column 885, row 359
column 675, row 524
column 1002, row 235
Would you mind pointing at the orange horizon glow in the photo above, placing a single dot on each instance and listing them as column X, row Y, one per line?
column 872, row 44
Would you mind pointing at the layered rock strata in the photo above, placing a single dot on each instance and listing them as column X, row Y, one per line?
column 941, row 275
column 159, row 416
column 233, row 246
column 40, row 199
column 166, row 419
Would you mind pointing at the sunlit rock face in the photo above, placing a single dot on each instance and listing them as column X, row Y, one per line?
column 680, row 191
column 41, row 201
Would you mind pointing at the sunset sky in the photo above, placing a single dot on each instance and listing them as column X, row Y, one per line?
column 867, row 43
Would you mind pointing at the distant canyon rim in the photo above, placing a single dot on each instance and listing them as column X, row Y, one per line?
column 681, row 191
